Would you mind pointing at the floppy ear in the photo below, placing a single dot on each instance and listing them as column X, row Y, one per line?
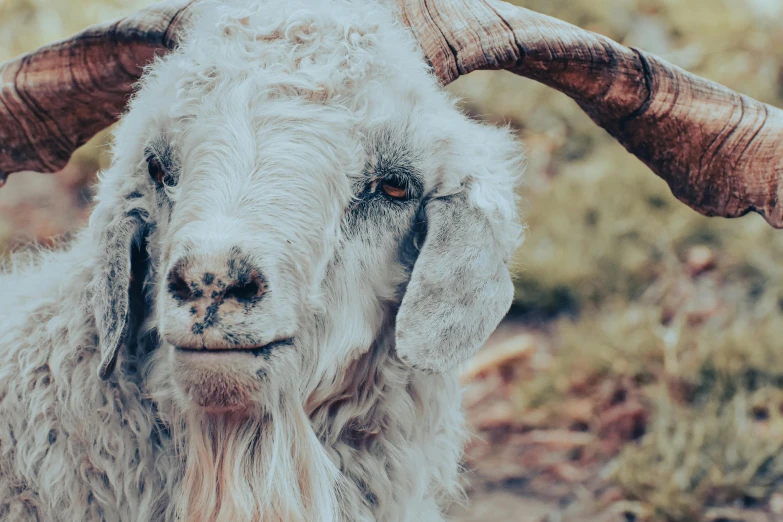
column 111, row 285
column 459, row 290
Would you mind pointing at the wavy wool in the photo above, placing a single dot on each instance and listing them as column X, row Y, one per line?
column 277, row 123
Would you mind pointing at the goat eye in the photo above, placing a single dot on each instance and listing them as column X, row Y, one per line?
column 157, row 172
column 396, row 189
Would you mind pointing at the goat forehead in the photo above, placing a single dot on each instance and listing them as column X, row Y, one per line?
column 240, row 135
column 239, row 132
column 246, row 54
column 294, row 44
column 258, row 170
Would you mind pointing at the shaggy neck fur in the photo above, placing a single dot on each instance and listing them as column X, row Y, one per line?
column 253, row 468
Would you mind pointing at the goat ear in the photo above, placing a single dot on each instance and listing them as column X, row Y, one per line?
column 459, row 290
column 111, row 285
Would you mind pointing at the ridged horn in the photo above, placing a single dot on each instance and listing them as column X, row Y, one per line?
column 56, row 98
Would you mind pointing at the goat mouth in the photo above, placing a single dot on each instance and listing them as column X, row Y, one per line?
column 256, row 351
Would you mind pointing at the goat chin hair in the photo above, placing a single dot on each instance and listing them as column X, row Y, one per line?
column 264, row 468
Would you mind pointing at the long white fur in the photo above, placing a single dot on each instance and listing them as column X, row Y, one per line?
column 347, row 432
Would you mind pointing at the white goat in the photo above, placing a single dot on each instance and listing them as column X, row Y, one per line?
column 298, row 240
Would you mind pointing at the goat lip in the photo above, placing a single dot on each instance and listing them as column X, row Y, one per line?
column 256, row 351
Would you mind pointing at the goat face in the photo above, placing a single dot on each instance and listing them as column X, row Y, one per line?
column 292, row 224
column 254, row 222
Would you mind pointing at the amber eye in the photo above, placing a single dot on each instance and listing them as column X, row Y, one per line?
column 394, row 189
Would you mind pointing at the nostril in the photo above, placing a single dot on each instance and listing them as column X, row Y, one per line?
column 178, row 286
column 248, row 288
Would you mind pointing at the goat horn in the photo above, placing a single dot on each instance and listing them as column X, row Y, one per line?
column 719, row 151
column 56, row 98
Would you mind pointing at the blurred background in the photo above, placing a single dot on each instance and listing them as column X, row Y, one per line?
column 639, row 375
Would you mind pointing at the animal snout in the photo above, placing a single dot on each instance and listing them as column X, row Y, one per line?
column 233, row 277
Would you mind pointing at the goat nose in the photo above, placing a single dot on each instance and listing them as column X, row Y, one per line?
column 189, row 282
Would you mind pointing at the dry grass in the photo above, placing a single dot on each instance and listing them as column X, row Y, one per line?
column 718, row 453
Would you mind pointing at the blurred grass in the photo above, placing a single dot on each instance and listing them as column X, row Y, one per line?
column 612, row 262
column 634, row 287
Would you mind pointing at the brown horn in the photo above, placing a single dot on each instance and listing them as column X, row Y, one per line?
column 719, row 151
column 55, row 99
